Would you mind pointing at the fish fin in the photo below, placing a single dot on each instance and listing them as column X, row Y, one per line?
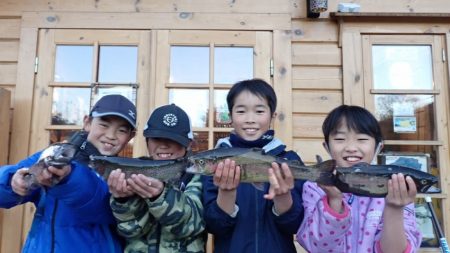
column 319, row 159
column 259, row 186
column 326, row 170
column 328, row 165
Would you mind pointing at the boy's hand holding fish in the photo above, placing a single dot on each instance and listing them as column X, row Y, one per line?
column 281, row 184
column 18, row 183
column 118, row 186
column 145, row 187
column 227, row 177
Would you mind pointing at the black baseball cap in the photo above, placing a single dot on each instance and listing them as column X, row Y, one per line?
column 170, row 122
column 116, row 105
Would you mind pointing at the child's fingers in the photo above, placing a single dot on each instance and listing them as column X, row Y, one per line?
column 270, row 195
column 288, row 178
column 273, row 179
column 403, row 191
column 218, row 174
column 237, row 176
column 395, row 187
column 412, row 189
column 229, row 172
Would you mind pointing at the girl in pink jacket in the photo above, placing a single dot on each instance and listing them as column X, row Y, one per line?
column 342, row 222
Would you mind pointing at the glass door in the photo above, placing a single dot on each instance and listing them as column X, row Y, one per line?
column 406, row 89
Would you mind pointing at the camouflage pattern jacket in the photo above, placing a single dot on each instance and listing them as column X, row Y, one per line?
column 171, row 223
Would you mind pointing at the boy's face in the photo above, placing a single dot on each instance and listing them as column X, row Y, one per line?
column 164, row 149
column 348, row 147
column 251, row 116
column 108, row 134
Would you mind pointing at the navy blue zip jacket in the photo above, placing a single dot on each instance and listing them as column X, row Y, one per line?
column 72, row 216
column 255, row 228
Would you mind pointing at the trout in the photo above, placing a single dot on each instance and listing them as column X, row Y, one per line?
column 368, row 180
column 254, row 163
column 168, row 171
column 56, row 155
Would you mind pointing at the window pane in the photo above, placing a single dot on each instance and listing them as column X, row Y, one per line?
column 200, row 142
column 232, row 64
column 60, row 135
column 70, row 105
column 220, row 135
column 73, row 63
column 222, row 116
column 402, row 67
column 189, row 64
column 117, row 64
column 194, row 102
column 406, row 117
column 102, row 90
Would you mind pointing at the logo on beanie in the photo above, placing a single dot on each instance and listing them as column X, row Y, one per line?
column 170, row 120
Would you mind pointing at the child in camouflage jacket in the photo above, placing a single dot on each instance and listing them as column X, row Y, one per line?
column 152, row 216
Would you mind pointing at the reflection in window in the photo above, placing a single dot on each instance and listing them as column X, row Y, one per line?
column 194, row 102
column 73, row 63
column 61, row 135
column 232, row 64
column 70, row 105
column 402, row 67
column 117, row 64
column 200, row 142
column 406, row 117
column 220, row 135
column 221, row 115
column 189, row 64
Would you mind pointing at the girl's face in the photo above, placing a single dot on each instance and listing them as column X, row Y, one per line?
column 349, row 148
column 250, row 116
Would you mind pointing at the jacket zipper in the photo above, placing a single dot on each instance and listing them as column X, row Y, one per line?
column 53, row 227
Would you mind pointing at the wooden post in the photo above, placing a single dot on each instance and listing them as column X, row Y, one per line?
column 5, row 104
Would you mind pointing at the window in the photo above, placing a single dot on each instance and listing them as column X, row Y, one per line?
column 202, row 67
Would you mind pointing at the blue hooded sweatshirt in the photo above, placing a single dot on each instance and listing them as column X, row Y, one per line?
column 255, row 228
column 72, row 216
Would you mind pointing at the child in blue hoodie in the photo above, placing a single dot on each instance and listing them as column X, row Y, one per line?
column 241, row 217
column 74, row 215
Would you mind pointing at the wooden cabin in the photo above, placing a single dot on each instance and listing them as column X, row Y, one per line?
column 391, row 57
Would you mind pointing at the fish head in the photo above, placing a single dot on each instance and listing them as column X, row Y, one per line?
column 199, row 165
column 58, row 154
column 424, row 182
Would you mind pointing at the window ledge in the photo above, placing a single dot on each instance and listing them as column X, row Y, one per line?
column 389, row 16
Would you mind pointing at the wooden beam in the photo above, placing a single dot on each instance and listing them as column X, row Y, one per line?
column 282, row 83
column 210, row 6
column 19, row 147
column 169, row 20
column 5, row 102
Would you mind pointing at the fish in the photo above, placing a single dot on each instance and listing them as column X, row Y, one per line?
column 56, row 155
column 254, row 163
column 168, row 171
column 369, row 180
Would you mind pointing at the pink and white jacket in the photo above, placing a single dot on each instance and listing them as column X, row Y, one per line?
column 356, row 230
